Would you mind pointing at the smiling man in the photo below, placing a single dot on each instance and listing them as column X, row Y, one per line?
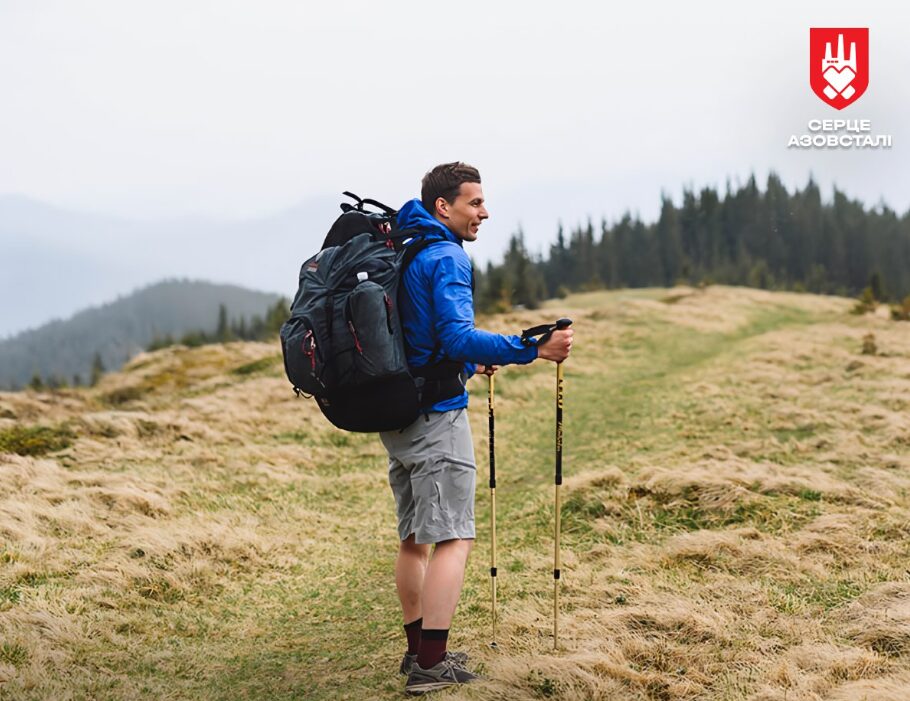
column 431, row 462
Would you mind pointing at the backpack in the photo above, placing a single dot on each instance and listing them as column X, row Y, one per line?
column 343, row 343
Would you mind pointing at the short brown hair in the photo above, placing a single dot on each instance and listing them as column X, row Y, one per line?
column 445, row 181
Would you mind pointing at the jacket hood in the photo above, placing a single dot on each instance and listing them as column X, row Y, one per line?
column 413, row 216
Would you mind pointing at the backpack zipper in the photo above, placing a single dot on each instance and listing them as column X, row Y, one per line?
column 388, row 312
column 356, row 340
column 309, row 350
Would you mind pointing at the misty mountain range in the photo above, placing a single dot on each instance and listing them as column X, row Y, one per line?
column 55, row 262
column 122, row 328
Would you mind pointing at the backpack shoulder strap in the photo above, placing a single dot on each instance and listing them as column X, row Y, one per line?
column 412, row 249
column 410, row 252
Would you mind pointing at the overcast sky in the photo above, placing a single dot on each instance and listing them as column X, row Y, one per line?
column 239, row 109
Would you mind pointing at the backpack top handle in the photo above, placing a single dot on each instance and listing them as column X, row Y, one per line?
column 347, row 207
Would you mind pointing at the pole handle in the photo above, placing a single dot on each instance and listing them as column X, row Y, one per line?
column 543, row 332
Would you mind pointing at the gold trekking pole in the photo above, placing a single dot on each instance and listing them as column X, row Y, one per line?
column 561, row 324
column 492, row 427
column 544, row 331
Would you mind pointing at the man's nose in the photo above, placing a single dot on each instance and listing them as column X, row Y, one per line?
column 484, row 214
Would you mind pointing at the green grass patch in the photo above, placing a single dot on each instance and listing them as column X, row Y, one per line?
column 339, row 439
column 812, row 594
column 122, row 395
column 32, row 579
column 35, row 440
column 294, row 437
column 595, row 516
column 799, row 433
column 10, row 595
column 543, row 686
column 581, row 506
column 325, row 437
column 770, row 515
column 255, row 366
column 13, row 654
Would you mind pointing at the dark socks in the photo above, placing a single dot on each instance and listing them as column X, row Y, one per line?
column 432, row 647
column 412, row 630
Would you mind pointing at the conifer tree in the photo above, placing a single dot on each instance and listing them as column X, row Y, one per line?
column 669, row 243
column 877, row 287
column 223, row 330
column 36, row 383
column 97, row 369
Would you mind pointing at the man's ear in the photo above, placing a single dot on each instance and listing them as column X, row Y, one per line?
column 442, row 207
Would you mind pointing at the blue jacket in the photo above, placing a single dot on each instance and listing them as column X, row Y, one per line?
column 437, row 307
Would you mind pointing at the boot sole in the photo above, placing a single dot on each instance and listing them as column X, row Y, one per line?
column 420, row 689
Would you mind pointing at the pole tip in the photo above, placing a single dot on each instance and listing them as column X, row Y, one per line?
column 494, row 645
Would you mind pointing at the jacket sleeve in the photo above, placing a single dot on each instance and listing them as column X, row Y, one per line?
column 454, row 319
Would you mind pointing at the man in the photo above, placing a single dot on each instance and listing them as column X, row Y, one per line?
column 431, row 462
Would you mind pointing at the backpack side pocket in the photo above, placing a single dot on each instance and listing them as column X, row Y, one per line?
column 305, row 354
column 370, row 316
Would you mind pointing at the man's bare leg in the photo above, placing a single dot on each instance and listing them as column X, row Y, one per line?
column 410, row 569
column 443, row 581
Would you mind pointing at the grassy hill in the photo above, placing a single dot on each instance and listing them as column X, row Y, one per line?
column 735, row 519
column 118, row 330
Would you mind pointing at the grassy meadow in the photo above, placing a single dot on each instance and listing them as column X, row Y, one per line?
column 736, row 519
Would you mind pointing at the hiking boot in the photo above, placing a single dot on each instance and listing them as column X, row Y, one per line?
column 459, row 658
column 444, row 674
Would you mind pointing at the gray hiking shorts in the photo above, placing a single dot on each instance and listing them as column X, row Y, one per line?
column 432, row 474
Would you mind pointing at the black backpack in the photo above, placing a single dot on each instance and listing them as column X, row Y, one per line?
column 343, row 344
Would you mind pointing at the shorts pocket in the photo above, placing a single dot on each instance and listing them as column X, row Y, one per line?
column 445, row 499
column 455, row 486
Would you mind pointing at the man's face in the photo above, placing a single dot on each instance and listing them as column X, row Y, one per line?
column 465, row 215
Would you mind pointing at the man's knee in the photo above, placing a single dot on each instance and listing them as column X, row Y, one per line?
column 463, row 545
column 414, row 549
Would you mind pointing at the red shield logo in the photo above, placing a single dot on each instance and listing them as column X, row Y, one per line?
column 839, row 64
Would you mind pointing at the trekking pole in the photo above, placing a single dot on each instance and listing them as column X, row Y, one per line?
column 544, row 331
column 492, row 426
column 561, row 324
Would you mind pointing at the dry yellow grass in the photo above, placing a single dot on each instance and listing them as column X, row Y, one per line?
column 735, row 520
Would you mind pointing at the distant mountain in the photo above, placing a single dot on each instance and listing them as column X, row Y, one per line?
column 120, row 329
column 55, row 262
